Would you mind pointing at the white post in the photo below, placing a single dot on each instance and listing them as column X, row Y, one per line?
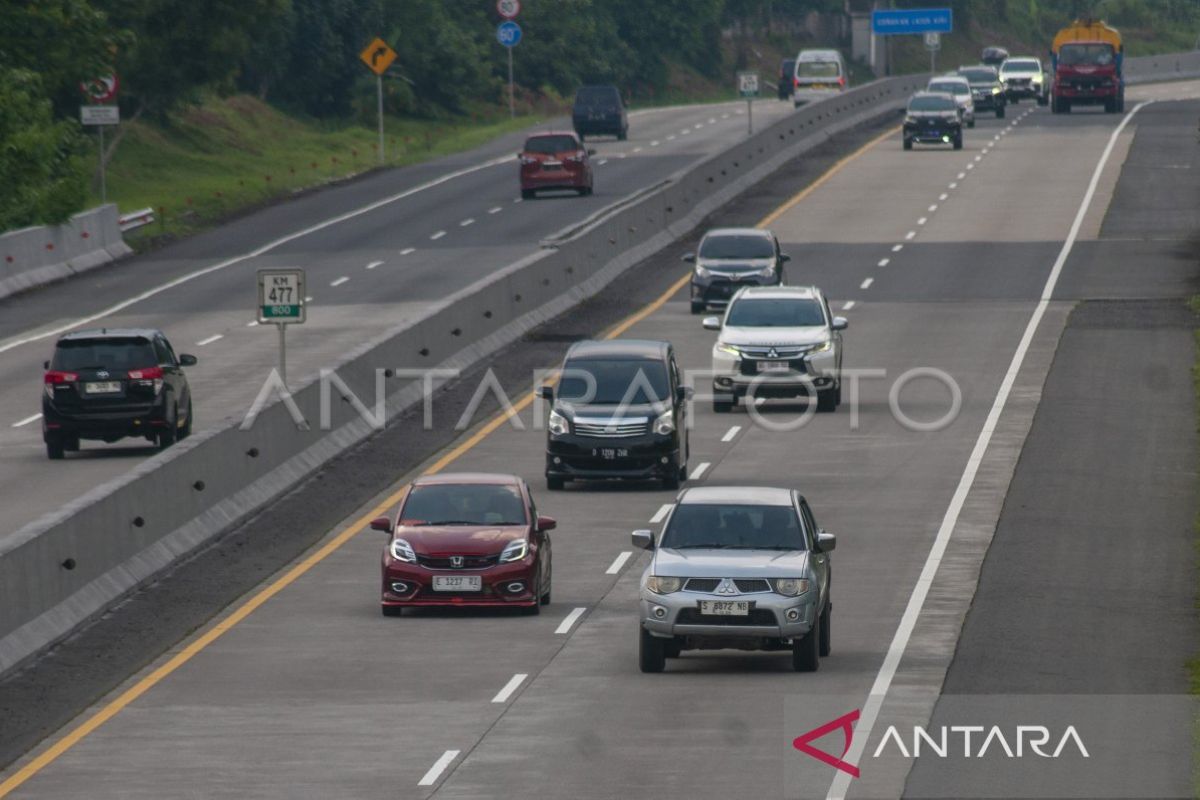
column 749, row 115
column 379, row 109
column 512, row 108
column 283, row 354
column 103, row 180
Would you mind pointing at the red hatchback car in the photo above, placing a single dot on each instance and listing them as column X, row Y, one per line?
column 469, row 540
column 555, row 160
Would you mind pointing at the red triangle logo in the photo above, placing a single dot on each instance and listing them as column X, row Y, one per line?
column 846, row 724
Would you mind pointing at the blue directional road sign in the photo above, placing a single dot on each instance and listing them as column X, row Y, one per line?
column 912, row 20
column 509, row 34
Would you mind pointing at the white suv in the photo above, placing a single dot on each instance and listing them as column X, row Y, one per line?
column 961, row 90
column 777, row 341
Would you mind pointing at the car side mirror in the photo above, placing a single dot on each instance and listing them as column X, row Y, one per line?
column 840, row 323
column 591, row 151
column 546, row 523
column 643, row 540
column 546, row 392
column 186, row 360
column 826, row 541
column 382, row 524
column 689, row 258
column 784, row 258
column 712, row 323
column 683, row 393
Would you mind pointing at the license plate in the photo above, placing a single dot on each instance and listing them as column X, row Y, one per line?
column 102, row 387
column 774, row 366
column 552, row 164
column 725, row 608
column 457, row 583
column 610, row 453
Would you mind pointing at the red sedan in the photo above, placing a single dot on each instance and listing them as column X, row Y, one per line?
column 555, row 160
column 467, row 540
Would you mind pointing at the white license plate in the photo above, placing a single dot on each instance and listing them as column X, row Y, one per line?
column 457, row 583
column 725, row 608
column 552, row 164
column 102, row 387
column 774, row 366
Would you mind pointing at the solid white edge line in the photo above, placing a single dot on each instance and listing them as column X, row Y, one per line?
column 569, row 621
column 867, row 283
column 731, row 434
column 699, row 470
column 266, row 248
column 27, row 420
column 618, row 562
column 438, row 768
column 513, row 684
column 891, row 662
column 661, row 514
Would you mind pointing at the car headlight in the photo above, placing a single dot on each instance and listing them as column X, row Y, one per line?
column 823, row 347
column 703, row 272
column 910, row 120
column 790, row 587
column 661, row 585
column 402, row 551
column 514, row 551
column 766, row 272
column 1036, row 79
column 665, row 423
column 731, row 349
column 558, row 424
column 995, row 90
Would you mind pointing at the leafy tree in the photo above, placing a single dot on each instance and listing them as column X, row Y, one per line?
column 42, row 167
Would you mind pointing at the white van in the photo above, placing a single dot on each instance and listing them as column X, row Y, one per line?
column 819, row 74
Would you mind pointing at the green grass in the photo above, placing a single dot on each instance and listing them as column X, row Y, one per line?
column 229, row 154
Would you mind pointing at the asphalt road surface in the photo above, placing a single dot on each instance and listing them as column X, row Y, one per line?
column 941, row 260
column 377, row 251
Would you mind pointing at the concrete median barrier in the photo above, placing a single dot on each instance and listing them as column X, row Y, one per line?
column 58, row 572
column 36, row 256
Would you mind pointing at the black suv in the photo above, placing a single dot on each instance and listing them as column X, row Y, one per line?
column 112, row 383
column 620, row 411
column 986, row 89
column 600, row 110
column 932, row 118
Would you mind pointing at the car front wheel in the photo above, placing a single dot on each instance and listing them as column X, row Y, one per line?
column 806, row 656
column 827, row 630
column 652, row 654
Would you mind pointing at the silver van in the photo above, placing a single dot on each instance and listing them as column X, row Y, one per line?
column 819, row 74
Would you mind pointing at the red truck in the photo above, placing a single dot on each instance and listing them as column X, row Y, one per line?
column 1086, row 58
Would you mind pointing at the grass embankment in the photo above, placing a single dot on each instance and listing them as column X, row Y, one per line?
column 213, row 160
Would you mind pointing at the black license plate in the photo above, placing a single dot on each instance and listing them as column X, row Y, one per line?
column 610, row 453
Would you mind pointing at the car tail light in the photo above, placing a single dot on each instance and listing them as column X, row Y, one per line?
column 56, row 378
column 147, row 374
column 797, row 82
column 842, row 82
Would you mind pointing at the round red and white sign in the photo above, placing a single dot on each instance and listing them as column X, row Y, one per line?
column 508, row 8
column 101, row 89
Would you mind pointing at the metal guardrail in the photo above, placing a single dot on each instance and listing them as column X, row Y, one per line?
column 136, row 219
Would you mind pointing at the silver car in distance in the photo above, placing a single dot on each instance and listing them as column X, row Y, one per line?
column 736, row 567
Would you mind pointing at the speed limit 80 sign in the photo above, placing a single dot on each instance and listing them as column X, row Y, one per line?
column 281, row 296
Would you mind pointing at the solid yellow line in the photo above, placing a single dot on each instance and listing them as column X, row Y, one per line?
column 176, row 661
column 819, row 182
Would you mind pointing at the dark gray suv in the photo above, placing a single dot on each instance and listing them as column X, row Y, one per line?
column 730, row 258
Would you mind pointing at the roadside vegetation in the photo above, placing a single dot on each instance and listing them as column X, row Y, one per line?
column 217, row 96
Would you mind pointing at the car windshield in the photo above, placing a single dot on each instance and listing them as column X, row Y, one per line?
column 775, row 312
column 1020, row 66
column 735, row 246
column 463, row 504
column 597, row 96
column 733, row 527
column 108, row 353
column 817, row 69
column 979, row 75
column 549, row 145
column 932, row 103
column 950, row 87
column 1095, row 55
column 614, row 381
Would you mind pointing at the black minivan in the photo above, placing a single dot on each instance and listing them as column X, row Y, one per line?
column 599, row 110
column 620, row 411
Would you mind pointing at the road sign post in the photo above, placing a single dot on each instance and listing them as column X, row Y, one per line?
column 933, row 43
column 378, row 56
column 281, row 303
column 748, row 88
column 100, row 117
column 508, row 33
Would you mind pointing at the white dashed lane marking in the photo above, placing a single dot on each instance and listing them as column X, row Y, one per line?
column 339, row 281
column 438, row 768
column 699, row 470
column 661, row 514
column 437, row 235
column 848, row 305
column 27, row 420
column 374, row 264
column 867, row 283
column 883, row 262
column 408, row 251
column 566, row 625
column 513, row 684
column 618, row 562
column 731, row 433
column 214, row 338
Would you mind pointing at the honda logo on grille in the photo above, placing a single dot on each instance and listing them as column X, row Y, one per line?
column 456, row 562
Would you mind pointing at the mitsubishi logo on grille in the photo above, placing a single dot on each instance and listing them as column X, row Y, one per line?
column 456, row 562
column 773, row 353
column 726, row 587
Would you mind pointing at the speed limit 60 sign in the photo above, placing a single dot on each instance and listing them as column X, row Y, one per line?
column 280, row 295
